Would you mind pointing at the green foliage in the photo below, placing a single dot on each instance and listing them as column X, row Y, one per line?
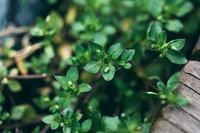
column 89, row 42
column 166, row 92
column 115, row 58
column 170, row 49
column 69, row 82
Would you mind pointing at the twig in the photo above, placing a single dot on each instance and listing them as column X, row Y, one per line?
column 24, row 53
column 29, row 76
column 45, row 129
column 14, row 30
column 23, row 124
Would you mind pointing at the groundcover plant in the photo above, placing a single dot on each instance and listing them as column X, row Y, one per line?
column 96, row 66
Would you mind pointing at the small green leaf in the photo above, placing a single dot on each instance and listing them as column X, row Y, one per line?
column 23, row 112
column 110, row 124
column 174, row 25
column 182, row 101
column 14, row 86
column 151, row 94
column 127, row 55
column 69, row 113
column 177, row 43
column 54, row 21
column 75, row 125
column 83, row 88
column 155, row 7
column 79, row 50
column 134, row 120
column 66, row 129
column 161, row 86
column 115, row 50
column 100, row 38
column 49, row 119
column 62, row 80
column 172, row 83
column 54, row 125
column 108, row 72
column 161, row 38
column 154, row 31
column 72, row 74
column 4, row 115
column 92, row 67
column 86, row 125
column 184, row 8
column 77, row 116
column 64, row 102
column 145, row 128
column 127, row 66
column 96, row 50
column 176, row 57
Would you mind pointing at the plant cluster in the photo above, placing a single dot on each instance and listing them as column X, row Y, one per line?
column 116, row 56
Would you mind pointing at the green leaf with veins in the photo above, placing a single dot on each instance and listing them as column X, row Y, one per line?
column 108, row 72
column 64, row 102
column 182, row 101
column 177, row 43
column 161, row 86
column 72, row 74
column 154, row 31
column 96, row 50
column 127, row 55
column 115, row 50
column 174, row 25
column 184, row 8
column 172, row 83
column 86, row 125
column 92, row 67
column 49, row 119
column 63, row 81
column 69, row 113
column 176, row 57
column 161, row 38
column 66, row 129
column 83, row 88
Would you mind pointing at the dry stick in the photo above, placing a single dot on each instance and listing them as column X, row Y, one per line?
column 29, row 76
column 14, row 30
column 24, row 53
column 45, row 129
column 23, row 124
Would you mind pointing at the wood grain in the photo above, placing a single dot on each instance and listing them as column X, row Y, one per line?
column 183, row 119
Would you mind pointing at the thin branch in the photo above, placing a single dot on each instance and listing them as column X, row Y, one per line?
column 30, row 76
column 22, row 124
column 23, row 53
column 45, row 129
column 14, row 30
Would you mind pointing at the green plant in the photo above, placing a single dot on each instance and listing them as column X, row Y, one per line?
column 117, row 56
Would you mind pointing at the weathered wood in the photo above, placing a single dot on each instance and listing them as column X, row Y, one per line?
column 170, row 127
column 185, row 119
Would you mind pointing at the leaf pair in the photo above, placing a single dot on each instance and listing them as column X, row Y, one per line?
column 167, row 91
column 171, row 49
column 69, row 82
column 107, row 62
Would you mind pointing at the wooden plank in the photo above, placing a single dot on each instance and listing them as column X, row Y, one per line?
column 193, row 68
column 181, row 119
column 194, row 108
column 190, row 81
column 185, row 119
column 170, row 127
